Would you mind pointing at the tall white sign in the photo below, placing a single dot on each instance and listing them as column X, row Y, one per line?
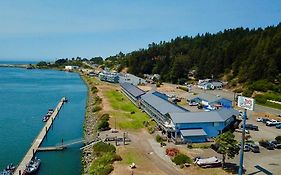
column 246, row 103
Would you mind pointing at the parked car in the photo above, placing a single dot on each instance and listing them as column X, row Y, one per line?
column 192, row 103
column 272, row 123
column 264, row 120
column 276, row 144
column 250, row 127
column 246, row 147
column 241, row 130
column 259, row 119
column 278, row 126
column 266, row 144
column 254, row 148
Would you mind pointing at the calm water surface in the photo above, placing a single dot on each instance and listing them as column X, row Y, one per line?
column 25, row 96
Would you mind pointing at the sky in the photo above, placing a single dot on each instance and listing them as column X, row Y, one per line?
column 51, row 29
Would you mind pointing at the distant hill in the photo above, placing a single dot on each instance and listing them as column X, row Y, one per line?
column 241, row 55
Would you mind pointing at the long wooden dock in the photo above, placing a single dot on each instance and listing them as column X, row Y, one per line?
column 38, row 140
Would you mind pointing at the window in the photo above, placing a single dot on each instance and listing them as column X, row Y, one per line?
column 215, row 124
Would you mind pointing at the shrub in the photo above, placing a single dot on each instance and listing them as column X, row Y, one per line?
column 172, row 152
column 96, row 108
column 103, row 125
column 261, row 99
column 105, row 117
column 181, row 159
column 247, row 92
column 183, row 88
column 102, row 147
column 158, row 138
column 94, row 89
column 278, row 138
column 103, row 122
column 133, row 112
column 151, row 130
column 158, row 84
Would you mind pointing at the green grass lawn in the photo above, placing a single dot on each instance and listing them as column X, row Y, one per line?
column 123, row 108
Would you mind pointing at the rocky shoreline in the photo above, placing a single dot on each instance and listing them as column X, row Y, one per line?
column 89, row 131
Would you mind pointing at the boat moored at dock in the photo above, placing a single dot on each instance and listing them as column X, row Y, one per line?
column 32, row 166
column 9, row 170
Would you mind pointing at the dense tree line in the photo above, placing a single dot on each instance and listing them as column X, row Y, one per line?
column 244, row 55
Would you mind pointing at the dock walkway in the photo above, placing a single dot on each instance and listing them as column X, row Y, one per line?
column 38, row 140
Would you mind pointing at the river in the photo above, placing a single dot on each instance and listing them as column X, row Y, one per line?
column 25, row 96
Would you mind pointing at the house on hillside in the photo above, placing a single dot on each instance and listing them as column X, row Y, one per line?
column 109, row 77
column 71, row 68
column 130, row 78
column 210, row 85
column 211, row 100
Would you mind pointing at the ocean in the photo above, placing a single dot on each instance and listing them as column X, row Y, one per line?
column 25, row 97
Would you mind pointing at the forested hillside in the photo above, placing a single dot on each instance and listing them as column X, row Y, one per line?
column 244, row 55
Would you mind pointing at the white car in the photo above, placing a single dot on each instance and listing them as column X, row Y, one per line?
column 272, row 123
column 259, row 119
column 241, row 130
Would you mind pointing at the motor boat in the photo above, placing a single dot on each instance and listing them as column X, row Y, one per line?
column 208, row 162
column 9, row 170
column 32, row 166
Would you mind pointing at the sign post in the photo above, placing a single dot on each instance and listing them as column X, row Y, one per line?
column 246, row 103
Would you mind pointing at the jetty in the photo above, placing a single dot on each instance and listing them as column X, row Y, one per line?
column 15, row 65
column 39, row 139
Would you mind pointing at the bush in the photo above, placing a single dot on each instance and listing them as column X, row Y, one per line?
column 183, row 88
column 105, row 155
column 247, row 92
column 105, row 117
column 278, row 138
column 103, row 122
column 158, row 84
column 102, row 147
column 262, row 85
column 261, row 99
column 151, row 130
column 96, row 108
column 133, row 112
column 94, row 89
column 158, row 138
column 103, row 125
column 172, row 152
column 181, row 159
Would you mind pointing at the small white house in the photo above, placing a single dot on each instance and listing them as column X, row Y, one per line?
column 70, row 68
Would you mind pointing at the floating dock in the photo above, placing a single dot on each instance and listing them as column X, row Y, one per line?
column 39, row 139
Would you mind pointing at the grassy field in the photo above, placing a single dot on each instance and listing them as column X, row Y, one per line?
column 127, row 115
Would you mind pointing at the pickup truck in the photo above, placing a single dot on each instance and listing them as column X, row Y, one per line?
column 250, row 127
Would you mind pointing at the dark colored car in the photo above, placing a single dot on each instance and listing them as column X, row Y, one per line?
column 254, row 148
column 264, row 120
column 276, row 144
column 266, row 144
column 251, row 127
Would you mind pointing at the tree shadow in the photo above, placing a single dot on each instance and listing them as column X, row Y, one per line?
column 232, row 168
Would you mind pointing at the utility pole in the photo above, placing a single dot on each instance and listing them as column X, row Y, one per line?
column 247, row 104
column 242, row 144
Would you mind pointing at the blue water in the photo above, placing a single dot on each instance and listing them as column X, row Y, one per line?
column 25, row 96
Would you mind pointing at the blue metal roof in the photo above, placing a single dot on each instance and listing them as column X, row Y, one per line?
column 203, row 117
column 133, row 90
column 161, row 105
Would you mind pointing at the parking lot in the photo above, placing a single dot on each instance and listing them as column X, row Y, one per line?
column 267, row 160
